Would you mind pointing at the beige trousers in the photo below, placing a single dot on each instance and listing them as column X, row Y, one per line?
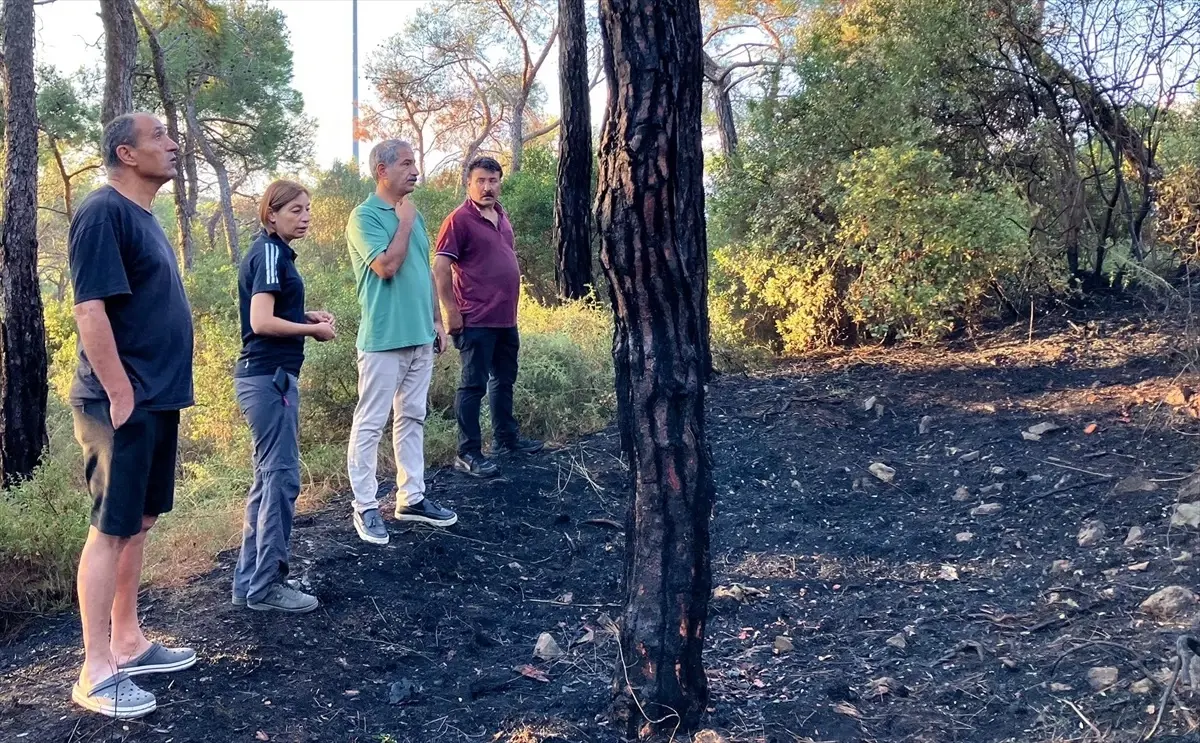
column 396, row 382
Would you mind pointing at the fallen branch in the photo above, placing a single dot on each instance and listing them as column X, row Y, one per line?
column 607, row 523
column 1065, row 488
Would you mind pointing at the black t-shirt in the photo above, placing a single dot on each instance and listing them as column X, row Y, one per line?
column 119, row 253
column 270, row 266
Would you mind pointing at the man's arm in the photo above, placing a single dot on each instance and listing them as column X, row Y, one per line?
column 96, row 335
column 387, row 263
column 390, row 260
column 443, row 282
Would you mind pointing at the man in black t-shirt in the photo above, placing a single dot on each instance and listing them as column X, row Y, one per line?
column 134, row 376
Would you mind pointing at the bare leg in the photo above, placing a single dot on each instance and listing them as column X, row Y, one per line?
column 128, row 642
column 97, row 585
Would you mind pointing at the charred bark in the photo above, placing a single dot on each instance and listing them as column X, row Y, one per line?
column 572, row 203
column 23, row 370
column 650, row 213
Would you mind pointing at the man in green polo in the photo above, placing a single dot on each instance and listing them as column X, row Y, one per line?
column 398, row 335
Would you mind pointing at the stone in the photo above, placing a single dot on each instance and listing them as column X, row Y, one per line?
column 1186, row 514
column 1058, row 567
column 925, row 426
column 1042, row 429
column 783, row 645
column 1140, row 567
column 1169, row 602
column 1142, row 687
column 948, row 572
column 962, row 494
column 547, row 648
column 401, row 691
column 1102, row 677
column 1190, row 489
column 987, row 509
column 1135, row 536
column 1030, row 436
column 897, row 641
column 1092, row 533
column 1134, row 484
column 883, row 472
column 963, row 536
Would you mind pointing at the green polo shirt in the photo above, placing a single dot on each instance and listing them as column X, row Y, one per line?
column 396, row 312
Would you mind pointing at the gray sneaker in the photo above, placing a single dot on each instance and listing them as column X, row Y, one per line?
column 282, row 597
column 370, row 527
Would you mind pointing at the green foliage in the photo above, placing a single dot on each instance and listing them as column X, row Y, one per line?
column 867, row 205
column 928, row 247
column 233, row 61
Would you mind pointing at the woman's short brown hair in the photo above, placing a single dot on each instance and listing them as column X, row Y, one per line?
column 278, row 195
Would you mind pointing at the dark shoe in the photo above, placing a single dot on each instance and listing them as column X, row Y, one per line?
column 525, row 446
column 427, row 512
column 370, row 527
column 476, row 465
column 282, row 597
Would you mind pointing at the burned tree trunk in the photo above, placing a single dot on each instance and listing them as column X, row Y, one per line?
column 22, row 327
column 187, row 245
column 572, row 202
column 120, row 57
column 650, row 213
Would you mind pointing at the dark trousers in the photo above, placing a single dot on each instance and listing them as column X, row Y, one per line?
column 489, row 363
column 274, row 417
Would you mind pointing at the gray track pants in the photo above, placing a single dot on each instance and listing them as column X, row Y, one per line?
column 274, row 417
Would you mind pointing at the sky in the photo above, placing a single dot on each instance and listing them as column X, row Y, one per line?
column 69, row 34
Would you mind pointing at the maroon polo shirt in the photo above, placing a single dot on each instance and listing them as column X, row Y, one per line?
column 487, row 279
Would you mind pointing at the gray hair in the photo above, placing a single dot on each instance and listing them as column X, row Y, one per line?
column 121, row 131
column 385, row 153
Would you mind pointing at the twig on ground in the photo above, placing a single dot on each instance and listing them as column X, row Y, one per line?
column 1083, row 717
column 1162, row 702
column 1056, row 462
column 1065, row 488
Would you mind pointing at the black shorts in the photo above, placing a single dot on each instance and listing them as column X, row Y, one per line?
column 130, row 472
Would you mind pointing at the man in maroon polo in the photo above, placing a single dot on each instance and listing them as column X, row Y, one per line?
column 478, row 281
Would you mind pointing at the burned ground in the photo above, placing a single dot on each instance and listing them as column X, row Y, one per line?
column 849, row 607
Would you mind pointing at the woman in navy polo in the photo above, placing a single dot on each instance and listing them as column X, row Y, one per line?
column 266, row 380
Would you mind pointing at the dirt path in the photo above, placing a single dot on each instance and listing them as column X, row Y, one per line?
column 895, row 625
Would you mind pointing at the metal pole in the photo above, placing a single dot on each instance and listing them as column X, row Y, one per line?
column 354, row 66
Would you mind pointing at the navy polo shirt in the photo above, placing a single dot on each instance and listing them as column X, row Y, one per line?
column 270, row 266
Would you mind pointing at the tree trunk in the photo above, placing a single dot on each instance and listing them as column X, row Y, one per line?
column 518, row 133
column 120, row 57
column 572, row 203
column 210, row 155
column 718, row 80
column 66, row 177
column 23, row 384
column 187, row 245
column 650, row 213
